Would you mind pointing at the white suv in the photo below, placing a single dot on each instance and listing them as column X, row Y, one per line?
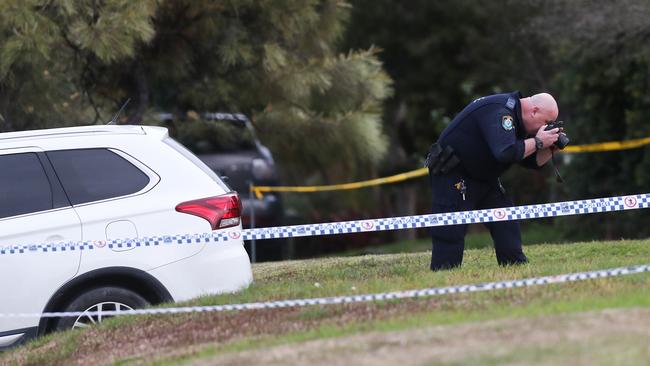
column 100, row 183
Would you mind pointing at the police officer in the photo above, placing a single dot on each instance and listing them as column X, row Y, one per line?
column 483, row 141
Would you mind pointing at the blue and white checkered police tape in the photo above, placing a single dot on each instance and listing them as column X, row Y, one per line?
column 608, row 204
column 427, row 292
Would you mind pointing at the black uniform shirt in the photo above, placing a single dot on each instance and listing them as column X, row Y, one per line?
column 488, row 136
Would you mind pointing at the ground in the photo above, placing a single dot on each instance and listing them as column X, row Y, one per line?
column 610, row 337
column 598, row 321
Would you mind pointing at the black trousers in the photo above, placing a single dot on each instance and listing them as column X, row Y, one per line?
column 448, row 242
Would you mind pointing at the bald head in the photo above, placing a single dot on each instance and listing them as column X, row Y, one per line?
column 545, row 102
column 538, row 110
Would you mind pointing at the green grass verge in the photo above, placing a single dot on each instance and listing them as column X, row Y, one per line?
column 381, row 273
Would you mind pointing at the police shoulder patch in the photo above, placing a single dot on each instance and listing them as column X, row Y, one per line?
column 507, row 122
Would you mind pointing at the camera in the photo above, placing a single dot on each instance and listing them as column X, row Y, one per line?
column 562, row 139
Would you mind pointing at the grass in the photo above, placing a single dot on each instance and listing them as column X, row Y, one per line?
column 359, row 275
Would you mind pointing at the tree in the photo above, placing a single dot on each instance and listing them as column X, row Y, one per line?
column 47, row 49
column 442, row 55
column 602, row 60
column 276, row 61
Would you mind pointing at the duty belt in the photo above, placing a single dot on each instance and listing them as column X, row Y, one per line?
column 441, row 160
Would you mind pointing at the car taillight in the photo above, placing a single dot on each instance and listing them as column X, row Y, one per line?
column 220, row 211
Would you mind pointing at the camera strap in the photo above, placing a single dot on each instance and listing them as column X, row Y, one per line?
column 558, row 177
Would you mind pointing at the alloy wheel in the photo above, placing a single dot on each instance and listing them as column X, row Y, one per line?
column 95, row 313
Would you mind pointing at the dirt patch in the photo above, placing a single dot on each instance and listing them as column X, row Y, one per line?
column 543, row 340
column 174, row 335
column 166, row 336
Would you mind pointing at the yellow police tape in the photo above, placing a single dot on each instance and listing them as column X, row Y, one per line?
column 608, row 146
column 597, row 147
column 259, row 191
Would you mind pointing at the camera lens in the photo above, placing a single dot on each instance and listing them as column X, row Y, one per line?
column 562, row 141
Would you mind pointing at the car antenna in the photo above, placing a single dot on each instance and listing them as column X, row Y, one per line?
column 114, row 120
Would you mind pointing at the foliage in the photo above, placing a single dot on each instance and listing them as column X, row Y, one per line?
column 273, row 60
column 602, row 61
column 592, row 55
column 330, row 114
column 343, row 106
column 47, row 47
column 442, row 55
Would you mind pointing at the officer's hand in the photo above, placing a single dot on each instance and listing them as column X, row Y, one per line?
column 547, row 137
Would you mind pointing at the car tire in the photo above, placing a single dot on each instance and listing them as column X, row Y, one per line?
column 99, row 299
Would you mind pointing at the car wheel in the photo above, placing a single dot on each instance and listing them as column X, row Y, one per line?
column 97, row 301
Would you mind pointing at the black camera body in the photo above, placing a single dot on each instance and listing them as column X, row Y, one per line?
column 562, row 139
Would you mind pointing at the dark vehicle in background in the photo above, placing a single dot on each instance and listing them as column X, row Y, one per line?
column 245, row 161
column 227, row 143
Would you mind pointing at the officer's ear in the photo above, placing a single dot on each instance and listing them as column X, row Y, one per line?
column 535, row 110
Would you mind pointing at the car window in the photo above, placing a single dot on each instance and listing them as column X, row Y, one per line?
column 24, row 187
column 96, row 174
column 196, row 161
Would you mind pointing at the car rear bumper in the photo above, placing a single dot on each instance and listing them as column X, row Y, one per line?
column 218, row 268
